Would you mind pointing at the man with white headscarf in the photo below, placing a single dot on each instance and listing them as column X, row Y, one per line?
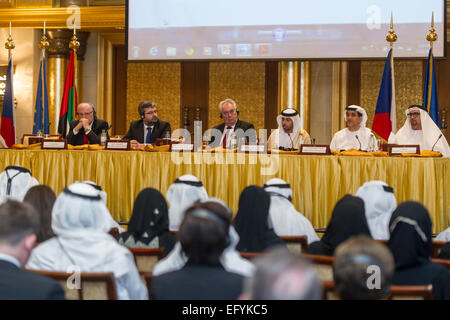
column 379, row 203
column 181, row 195
column 283, row 216
column 288, row 136
column 81, row 222
column 420, row 129
column 356, row 135
column 230, row 259
column 15, row 182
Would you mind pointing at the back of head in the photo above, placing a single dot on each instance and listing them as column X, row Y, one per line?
column 363, row 269
column 203, row 233
column 15, row 182
column 282, row 275
column 42, row 198
column 410, row 234
column 18, row 220
column 278, row 187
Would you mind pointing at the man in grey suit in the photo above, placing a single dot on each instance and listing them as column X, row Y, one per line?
column 232, row 126
column 18, row 228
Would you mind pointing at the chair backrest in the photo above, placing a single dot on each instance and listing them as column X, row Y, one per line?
column 323, row 266
column 146, row 278
column 251, row 255
column 436, row 246
column 296, row 244
column 424, row 292
column 84, row 286
column 146, row 258
column 328, row 291
column 444, row 262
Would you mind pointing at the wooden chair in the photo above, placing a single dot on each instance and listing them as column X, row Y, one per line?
column 444, row 262
column 424, row 292
column 147, row 279
column 296, row 244
column 146, row 258
column 436, row 247
column 323, row 266
column 92, row 286
column 251, row 255
column 328, row 291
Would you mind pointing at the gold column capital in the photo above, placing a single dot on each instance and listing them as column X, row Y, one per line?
column 59, row 40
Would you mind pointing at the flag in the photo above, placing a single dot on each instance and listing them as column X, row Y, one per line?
column 69, row 100
column 7, row 130
column 41, row 117
column 384, row 121
column 430, row 94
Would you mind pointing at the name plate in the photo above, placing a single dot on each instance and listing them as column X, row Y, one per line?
column 117, row 145
column 52, row 144
column 399, row 149
column 182, row 147
column 253, row 148
column 314, row 149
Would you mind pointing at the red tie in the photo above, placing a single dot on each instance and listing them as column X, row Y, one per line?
column 224, row 141
column 85, row 139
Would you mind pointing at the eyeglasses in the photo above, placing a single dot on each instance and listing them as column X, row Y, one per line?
column 152, row 112
column 414, row 114
column 84, row 114
column 226, row 113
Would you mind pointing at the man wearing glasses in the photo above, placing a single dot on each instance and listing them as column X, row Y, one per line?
column 149, row 128
column 420, row 129
column 87, row 129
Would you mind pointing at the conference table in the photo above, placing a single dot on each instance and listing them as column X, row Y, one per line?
column 317, row 181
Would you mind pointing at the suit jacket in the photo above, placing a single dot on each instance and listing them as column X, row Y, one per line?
column 251, row 135
column 19, row 284
column 93, row 136
column 197, row 282
column 136, row 131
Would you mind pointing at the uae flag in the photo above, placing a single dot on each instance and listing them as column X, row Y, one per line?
column 69, row 100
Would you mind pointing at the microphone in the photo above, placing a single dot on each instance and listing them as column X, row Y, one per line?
column 357, row 138
column 292, row 142
column 440, row 136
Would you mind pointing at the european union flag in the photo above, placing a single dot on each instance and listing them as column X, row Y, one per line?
column 41, row 106
column 430, row 94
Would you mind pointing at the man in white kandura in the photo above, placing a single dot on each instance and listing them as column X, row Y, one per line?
column 283, row 216
column 420, row 129
column 356, row 135
column 288, row 136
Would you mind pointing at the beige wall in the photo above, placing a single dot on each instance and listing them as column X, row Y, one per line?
column 90, row 71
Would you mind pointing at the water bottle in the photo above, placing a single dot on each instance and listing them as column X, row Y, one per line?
column 103, row 138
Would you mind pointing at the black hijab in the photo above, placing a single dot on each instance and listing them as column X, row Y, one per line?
column 251, row 221
column 410, row 240
column 347, row 219
column 150, row 217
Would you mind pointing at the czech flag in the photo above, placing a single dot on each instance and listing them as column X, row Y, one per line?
column 7, row 130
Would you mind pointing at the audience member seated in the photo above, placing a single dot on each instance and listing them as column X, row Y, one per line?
column 410, row 243
column 251, row 221
column 181, row 195
column 347, row 219
column 282, row 275
column 42, row 198
column 203, row 237
column 363, row 269
column 81, row 223
column 230, row 259
column 379, row 203
column 18, row 228
column 284, row 218
column 15, row 182
column 445, row 252
column 444, row 235
column 149, row 223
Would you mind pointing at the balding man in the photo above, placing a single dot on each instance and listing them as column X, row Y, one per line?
column 87, row 129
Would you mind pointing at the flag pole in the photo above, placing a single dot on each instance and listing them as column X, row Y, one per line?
column 432, row 36
column 44, row 45
column 74, row 45
column 9, row 44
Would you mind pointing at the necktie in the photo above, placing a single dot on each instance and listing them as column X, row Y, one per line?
column 85, row 139
column 225, row 138
column 149, row 133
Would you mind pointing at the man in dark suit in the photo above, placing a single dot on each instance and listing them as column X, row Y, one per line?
column 18, row 228
column 87, row 129
column 232, row 127
column 149, row 128
column 203, row 236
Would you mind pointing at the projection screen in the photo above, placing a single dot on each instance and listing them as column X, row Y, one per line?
column 280, row 29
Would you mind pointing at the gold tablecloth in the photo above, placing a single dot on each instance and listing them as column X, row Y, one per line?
column 317, row 181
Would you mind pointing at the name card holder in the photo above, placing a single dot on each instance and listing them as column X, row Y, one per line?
column 315, row 149
column 54, row 144
column 181, row 147
column 397, row 150
column 162, row 141
column 123, row 145
column 252, row 148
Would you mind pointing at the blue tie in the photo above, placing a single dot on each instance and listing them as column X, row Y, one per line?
column 149, row 133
